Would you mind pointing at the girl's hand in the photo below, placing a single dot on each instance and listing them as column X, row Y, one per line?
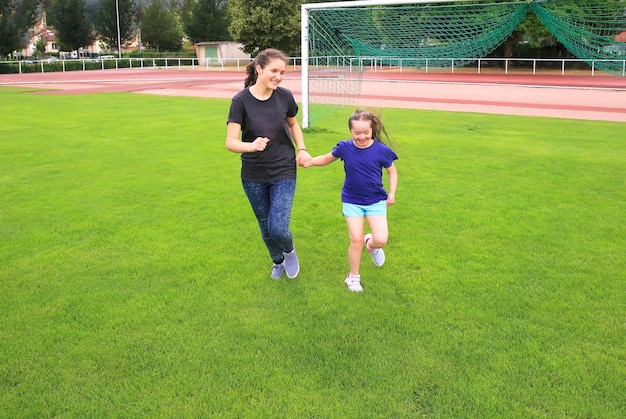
column 259, row 144
column 391, row 199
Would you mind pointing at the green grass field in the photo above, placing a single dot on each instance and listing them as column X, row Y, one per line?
column 134, row 283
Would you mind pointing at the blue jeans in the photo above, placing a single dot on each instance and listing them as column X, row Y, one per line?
column 271, row 203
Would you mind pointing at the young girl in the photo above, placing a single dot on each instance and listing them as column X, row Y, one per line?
column 363, row 194
column 262, row 127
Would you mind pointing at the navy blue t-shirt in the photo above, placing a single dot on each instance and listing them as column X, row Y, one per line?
column 266, row 118
column 363, row 166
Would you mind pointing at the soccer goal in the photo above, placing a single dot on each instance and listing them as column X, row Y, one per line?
column 341, row 39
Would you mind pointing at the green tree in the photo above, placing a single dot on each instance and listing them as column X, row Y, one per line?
column 532, row 29
column 16, row 18
column 206, row 20
column 160, row 27
column 106, row 24
column 260, row 24
column 72, row 23
column 40, row 47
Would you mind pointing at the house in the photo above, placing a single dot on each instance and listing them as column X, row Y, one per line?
column 208, row 53
column 217, row 52
column 40, row 31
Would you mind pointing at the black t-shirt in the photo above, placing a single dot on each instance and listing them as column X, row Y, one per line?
column 266, row 118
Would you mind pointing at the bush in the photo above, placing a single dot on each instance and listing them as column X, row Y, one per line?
column 185, row 53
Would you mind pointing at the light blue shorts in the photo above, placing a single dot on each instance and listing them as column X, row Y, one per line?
column 353, row 210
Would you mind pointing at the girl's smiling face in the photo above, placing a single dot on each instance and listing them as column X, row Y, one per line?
column 271, row 76
column 361, row 133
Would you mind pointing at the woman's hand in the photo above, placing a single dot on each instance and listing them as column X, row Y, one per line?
column 304, row 159
column 259, row 144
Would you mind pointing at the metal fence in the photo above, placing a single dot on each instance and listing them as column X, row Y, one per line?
column 465, row 65
column 54, row 64
column 478, row 65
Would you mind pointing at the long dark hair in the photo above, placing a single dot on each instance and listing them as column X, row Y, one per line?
column 262, row 59
column 378, row 129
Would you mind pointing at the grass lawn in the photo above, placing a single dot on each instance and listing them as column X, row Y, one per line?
column 134, row 283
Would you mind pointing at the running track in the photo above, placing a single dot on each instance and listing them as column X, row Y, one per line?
column 575, row 97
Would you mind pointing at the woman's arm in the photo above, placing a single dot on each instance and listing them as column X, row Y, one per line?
column 234, row 143
column 303, row 158
column 296, row 132
column 392, row 172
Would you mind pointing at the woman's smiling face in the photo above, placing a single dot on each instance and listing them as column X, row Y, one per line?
column 271, row 76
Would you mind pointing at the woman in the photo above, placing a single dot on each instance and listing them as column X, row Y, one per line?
column 262, row 126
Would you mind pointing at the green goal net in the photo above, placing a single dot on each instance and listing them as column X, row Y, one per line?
column 594, row 31
column 340, row 39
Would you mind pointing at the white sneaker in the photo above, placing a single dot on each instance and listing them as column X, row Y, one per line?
column 354, row 283
column 292, row 265
column 278, row 269
column 378, row 255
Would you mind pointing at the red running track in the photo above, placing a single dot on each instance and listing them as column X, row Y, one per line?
column 598, row 97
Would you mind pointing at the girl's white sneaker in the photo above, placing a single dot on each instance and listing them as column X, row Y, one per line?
column 378, row 255
column 354, row 283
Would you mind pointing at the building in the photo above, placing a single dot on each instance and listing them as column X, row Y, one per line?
column 38, row 32
column 216, row 53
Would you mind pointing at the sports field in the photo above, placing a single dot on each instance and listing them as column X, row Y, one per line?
column 133, row 282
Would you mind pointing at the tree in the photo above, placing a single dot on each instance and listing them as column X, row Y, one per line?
column 16, row 18
column 208, row 20
column 530, row 28
column 40, row 47
column 160, row 27
column 260, row 24
column 72, row 23
column 106, row 24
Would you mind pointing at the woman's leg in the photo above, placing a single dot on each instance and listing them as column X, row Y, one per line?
column 281, row 202
column 259, row 196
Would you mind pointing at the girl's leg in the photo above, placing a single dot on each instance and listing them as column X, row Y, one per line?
column 380, row 231
column 259, row 196
column 355, row 230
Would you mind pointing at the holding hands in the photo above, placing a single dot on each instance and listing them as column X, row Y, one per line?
column 303, row 158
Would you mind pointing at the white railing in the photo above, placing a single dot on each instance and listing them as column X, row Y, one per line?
column 478, row 65
column 84, row 64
